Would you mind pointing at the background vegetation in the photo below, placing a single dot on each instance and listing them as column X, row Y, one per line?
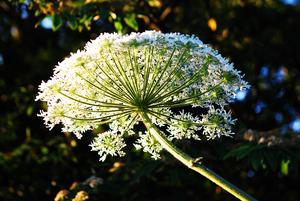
column 261, row 37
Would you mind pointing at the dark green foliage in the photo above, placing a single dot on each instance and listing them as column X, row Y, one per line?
column 260, row 37
column 265, row 157
column 81, row 14
column 56, row 22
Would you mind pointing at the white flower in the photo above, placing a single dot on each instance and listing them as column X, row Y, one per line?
column 149, row 144
column 118, row 77
column 184, row 126
column 108, row 143
column 217, row 122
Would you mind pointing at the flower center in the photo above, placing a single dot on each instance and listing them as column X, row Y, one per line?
column 142, row 105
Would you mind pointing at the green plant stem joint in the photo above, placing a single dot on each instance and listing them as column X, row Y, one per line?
column 193, row 163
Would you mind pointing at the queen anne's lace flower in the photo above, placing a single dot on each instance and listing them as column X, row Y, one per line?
column 149, row 144
column 108, row 143
column 183, row 126
column 217, row 122
column 118, row 77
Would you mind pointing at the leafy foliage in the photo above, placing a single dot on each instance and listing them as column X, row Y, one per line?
column 81, row 14
column 264, row 157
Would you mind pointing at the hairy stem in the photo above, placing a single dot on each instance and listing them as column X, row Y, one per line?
column 191, row 162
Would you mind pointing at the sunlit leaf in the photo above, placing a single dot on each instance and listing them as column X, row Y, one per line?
column 285, row 167
column 155, row 3
column 130, row 20
column 29, row 110
column 56, row 22
column 77, row 3
column 118, row 26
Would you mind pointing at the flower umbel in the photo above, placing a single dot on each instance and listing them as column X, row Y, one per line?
column 121, row 80
column 116, row 78
column 108, row 143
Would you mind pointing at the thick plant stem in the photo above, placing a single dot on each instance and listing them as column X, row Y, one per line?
column 191, row 162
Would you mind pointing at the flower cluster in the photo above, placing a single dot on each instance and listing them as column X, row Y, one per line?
column 149, row 144
column 118, row 77
column 108, row 143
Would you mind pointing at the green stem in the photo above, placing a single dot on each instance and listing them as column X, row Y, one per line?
column 191, row 162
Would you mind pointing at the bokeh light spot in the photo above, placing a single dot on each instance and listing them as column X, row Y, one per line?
column 250, row 173
column 212, row 24
column 46, row 23
column 295, row 125
column 24, row 12
column 280, row 75
column 260, row 105
column 1, row 59
column 290, row 2
column 264, row 71
column 278, row 117
column 241, row 95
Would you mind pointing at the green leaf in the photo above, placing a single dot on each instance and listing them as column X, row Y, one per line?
column 118, row 26
column 256, row 160
column 77, row 4
column 37, row 13
column 130, row 20
column 29, row 110
column 271, row 159
column 56, row 22
column 243, row 151
column 72, row 21
column 285, row 167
